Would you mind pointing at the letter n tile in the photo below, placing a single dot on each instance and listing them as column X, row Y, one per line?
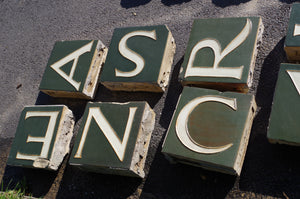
column 114, row 138
column 43, row 137
column 221, row 53
column 210, row 129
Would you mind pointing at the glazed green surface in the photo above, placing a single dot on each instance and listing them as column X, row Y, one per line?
column 224, row 30
column 284, row 124
column 150, row 50
column 36, row 127
column 290, row 39
column 215, row 124
column 97, row 151
column 54, row 81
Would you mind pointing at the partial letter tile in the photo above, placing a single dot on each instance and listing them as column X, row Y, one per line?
column 114, row 138
column 139, row 59
column 43, row 137
column 210, row 129
column 73, row 69
column 292, row 40
column 221, row 53
column 284, row 127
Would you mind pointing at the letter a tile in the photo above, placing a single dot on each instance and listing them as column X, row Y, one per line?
column 210, row 129
column 221, row 53
column 114, row 138
column 292, row 40
column 139, row 59
column 43, row 137
column 73, row 69
column 284, row 127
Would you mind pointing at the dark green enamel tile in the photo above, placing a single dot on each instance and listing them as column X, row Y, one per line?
column 43, row 137
column 139, row 59
column 210, row 129
column 114, row 138
column 284, row 126
column 73, row 69
column 292, row 40
column 221, row 53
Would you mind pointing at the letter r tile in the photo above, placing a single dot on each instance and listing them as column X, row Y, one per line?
column 114, row 138
column 139, row 59
column 210, row 129
column 73, row 69
column 221, row 53
column 43, row 137
column 284, row 126
column 292, row 40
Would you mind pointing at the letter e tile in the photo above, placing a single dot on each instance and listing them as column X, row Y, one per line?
column 43, row 137
column 210, row 129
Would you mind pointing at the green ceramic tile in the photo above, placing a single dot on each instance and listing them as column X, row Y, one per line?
column 221, row 53
column 73, row 69
column 114, row 138
column 139, row 59
column 43, row 137
column 292, row 40
column 210, row 129
column 284, row 126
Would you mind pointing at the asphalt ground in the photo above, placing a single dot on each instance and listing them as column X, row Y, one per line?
column 28, row 31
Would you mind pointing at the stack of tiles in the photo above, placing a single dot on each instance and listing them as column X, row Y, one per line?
column 284, row 127
column 211, row 129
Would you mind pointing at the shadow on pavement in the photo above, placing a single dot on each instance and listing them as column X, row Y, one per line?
column 270, row 169
column 223, row 4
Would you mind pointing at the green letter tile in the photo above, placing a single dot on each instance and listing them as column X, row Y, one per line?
column 210, row 129
column 139, row 59
column 114, row 138
column 284, row 126
column 221, row 53
column 43, row 137
column 292, row 40
column 73, row 69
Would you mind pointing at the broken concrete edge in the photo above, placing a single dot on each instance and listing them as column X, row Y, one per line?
column 292, row 53
column 92, row 79
column 219, row 86
column 167, row 61
column 133, row 86
column 66, row 94
column 143, row 141
column 238, row 165
column 257, row 44
column 282, row 142
column 63, row 139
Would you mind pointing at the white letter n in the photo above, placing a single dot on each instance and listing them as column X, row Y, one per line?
column 110, row 134
column 73, row 56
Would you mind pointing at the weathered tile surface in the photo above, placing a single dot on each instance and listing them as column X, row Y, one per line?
column 284, row 126
column 114, row 138
column 73, row 69
column 43, row 137
column 292, row 40
column 210, row 129
column 221, row 53
column 139, row 59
